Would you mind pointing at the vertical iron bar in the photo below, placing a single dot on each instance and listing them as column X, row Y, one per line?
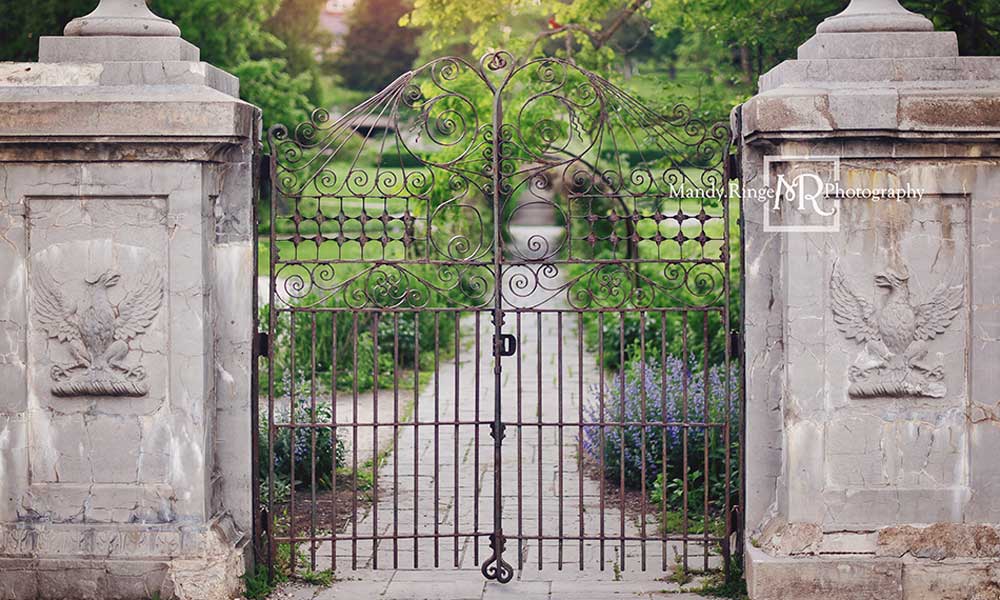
column 375, row 444
column 601, row 447
column 458, row 338
column 293, row 435
column 437, row 433
column 621, row 433
column 541, row 433
column 580, row 433
column 685, row 366
column 663, row 436
column 495, row 567
column 475, row 491
column 559, row 384
column 707, row 437
column 642, row 433
column 272, row 331
column 416, row 439
column 395, row 441
column 335, row 439
column 354, row 449
column 520, row 452
column 312, row 455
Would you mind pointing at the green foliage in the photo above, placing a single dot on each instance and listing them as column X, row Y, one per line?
column 336, row 350
column 24, row 22
column 376, row 50
column 227, row 33
column 296, row 23
column 258, row 587
column 322, row 578
column 299, row 448
column 717, row 586
column 267, row 84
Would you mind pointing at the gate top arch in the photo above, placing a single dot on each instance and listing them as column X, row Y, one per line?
column 459, row 142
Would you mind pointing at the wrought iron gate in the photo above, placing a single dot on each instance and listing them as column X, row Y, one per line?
column 498, row 321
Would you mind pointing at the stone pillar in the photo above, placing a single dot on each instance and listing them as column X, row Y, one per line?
column 873, row 326
column 126, row 265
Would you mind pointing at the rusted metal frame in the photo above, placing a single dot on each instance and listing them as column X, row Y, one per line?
column 416, row 439
column 475, row 429
column 560, row 432
column 642, row 432
column 312, row 445
column 395, row 439
column 354, row 448
column 621, row 433
column 706, row 441
column 580, row 431
column 335, row 439
column 496, row 567
column 437, row 436
column 540, row 431
column 260, row 175
column 520, row 448
column 291, row 466
column 272, row 331
column 514, row 423
column 447, row 535
column 457, row 432
column 375, row 425
column 684, row 436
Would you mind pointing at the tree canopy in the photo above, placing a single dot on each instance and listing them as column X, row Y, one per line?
column 376, row 49
column 267, row 43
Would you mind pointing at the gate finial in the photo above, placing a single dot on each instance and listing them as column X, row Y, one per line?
column 875, row 16
column 122, row 17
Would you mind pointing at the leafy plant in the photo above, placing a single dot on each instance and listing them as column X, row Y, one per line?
column 663, row 397
column 257, row 585
column 323, row 578
column 309, row 449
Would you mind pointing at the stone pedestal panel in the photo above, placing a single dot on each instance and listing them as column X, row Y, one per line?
column 871, row 324
column 126, row 324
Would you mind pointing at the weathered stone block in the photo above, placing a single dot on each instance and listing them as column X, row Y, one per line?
column 847, row 578
column 879, row 44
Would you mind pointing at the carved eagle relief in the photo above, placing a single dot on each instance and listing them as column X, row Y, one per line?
column 97, row 332
column 896, row 333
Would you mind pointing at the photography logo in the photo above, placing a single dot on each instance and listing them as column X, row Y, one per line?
column 804, row 193
column 796, row 194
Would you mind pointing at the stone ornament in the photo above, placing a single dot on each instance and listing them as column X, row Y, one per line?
column 875, row 16
column 121, row 17
column 896, row 334
column 97, row 332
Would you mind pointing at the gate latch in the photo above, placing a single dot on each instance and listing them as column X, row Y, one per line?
column 507, row 345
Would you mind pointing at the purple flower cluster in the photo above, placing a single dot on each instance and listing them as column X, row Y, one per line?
column 644, row 407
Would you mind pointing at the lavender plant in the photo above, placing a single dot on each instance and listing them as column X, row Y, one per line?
column 636, row 429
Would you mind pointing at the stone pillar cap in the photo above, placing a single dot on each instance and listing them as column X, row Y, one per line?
column 867, row 16
column 122, row 18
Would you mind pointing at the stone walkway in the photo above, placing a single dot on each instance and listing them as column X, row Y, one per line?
column 438, row 475
column 466, row 585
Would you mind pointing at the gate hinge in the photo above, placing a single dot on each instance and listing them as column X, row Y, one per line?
column 735, row 343
column 263, row 344
column 735, row 168
column 507, row 345
column 263, row 171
